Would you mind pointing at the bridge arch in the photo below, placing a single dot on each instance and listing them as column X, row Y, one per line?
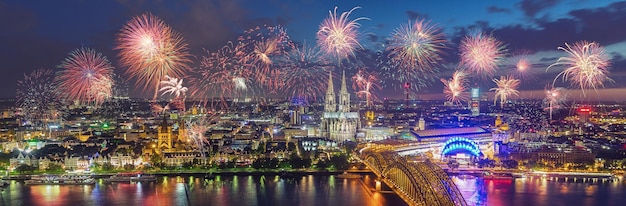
column 418, row 183
column 464, row 145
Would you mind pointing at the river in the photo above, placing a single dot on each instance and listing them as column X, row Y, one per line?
column 306, row 190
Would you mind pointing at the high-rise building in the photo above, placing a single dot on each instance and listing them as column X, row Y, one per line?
column 338, row 123
column 475, row 101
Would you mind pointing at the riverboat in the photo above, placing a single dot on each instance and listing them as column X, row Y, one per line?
column 497, row 176
column 131, row 177
column 60, row 180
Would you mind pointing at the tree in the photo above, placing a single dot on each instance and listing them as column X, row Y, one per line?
column 321, row 164
column 107, row 166
column 129, row 167
column 54, row 167
column 339, row 162
column 24, row 168
column 509, row 164
column 156, row 160
column 291, row 146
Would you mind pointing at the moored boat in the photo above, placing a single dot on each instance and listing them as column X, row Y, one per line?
column 60, row 180
column 497, row 176
column 131, row 177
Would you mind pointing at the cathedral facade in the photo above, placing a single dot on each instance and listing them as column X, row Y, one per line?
column 338, row 123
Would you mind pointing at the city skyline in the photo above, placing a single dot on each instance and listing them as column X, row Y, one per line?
column 38, row 37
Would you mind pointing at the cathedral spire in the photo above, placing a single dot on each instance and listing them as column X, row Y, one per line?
column 330, row 105
column 344, row 96
column 344, row 88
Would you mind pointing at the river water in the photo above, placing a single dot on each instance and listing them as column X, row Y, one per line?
column 306, row 190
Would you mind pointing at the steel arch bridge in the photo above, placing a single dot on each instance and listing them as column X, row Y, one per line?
column 418, row 183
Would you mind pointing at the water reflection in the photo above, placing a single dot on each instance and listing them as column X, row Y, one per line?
column 540, row 191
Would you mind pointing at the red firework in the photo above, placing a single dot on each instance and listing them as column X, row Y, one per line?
column 151, row 50
column 86, row 78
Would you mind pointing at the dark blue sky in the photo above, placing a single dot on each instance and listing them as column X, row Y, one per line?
column 39, row 34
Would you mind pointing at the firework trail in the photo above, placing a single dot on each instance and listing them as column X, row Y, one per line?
column 265, row 45
column 507, row 86
column 86, row 78
column 196, row 130
column 36, row 93
column 397, row 78
column 222, row 74
column 363, row 82
column 417, row 46
column 337, row 36
column 586, row 65
column 454, row 88
column 305, row 73
column 151, row 50
column 555, row 97
column 158, row 109
column 481, row 54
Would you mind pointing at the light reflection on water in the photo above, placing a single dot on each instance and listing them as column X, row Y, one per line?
column 186, row 190
column 540, row 191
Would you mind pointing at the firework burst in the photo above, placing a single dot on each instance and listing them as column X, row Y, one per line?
column 222, row 74
column 305, row 72
column 196, row 130
column 481, row 54
column 586, row 65
column 86, row 78
column 364, row 83
column 151, row 50
column 417, row 45
column 265, row 45
column 36, row 93
column 555, row 97
column 337, row 35
column 173, row 86
column 507, row 86
column 454, row 88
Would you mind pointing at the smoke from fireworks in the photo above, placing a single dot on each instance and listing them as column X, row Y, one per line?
column 305, row 73
column 337, row 36
column 36, row 93
column 417, row 45
column 151, row 50
column 506, row 87
column 86, row 78
column 454, row 88
column 364, row 83
column 481, row 54
column 586, row 65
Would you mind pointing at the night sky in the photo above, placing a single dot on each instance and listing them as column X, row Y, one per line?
column 40, row 34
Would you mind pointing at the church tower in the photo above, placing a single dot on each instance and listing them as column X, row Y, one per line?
column 344, row 96
column 330, row 105
column 164, row 136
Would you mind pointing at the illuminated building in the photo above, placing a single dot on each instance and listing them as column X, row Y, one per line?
column 338, row 123
column 435, row 141
column 475, row 101
column 164, row 136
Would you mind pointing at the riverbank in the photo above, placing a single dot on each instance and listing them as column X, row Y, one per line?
column 226, row 172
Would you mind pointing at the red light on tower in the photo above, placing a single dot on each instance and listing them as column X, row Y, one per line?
column 584, row 110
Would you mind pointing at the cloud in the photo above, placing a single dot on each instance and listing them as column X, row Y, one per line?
column 415, row 15
column 532, row 7
column 495, row 9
